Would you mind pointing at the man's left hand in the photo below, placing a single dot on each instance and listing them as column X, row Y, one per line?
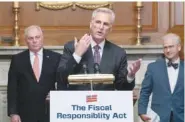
column 135, row 66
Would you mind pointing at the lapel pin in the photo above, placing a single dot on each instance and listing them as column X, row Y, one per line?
column 47, row 56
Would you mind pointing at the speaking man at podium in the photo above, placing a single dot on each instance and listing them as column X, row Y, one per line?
column 93, row 53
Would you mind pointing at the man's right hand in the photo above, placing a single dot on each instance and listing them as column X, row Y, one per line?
column 82, row 45
column 15, row 118
column 145, row 118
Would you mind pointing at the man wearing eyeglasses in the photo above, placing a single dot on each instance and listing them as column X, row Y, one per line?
column 165, row 80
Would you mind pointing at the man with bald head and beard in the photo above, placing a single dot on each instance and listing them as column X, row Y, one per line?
column 165, row 80
column 32, row 74
column 94, row 49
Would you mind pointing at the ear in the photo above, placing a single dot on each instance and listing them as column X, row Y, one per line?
column 90, row 25
column 110, row 28
column 179, row 47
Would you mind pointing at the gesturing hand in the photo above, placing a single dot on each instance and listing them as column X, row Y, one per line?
column 82, row 45
column 135, row 66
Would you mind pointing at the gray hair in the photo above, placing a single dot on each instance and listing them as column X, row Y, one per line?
column 30, row 28
column 104, row 10
column 172, row 36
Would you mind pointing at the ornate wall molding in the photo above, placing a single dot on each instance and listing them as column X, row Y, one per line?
column 62, row 5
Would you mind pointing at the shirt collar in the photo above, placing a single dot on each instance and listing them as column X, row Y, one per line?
column 93, row 43
column 40, row 52
column 176, row 61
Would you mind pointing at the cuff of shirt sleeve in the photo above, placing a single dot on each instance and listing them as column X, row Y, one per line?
column 130, row 79
column 77, row 58
column 12, row 115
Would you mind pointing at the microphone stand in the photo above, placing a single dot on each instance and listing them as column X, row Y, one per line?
column 85, row 70
column 96, row 71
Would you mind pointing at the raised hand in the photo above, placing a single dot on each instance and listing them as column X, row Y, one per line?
column 82, row 45
column 134, row 67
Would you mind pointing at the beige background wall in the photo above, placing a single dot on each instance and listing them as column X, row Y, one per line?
column 61, row 26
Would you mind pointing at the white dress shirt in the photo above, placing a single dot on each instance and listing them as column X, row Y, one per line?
column 40, row 55
column 173, row 74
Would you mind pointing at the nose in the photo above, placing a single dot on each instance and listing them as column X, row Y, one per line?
column 101, row 26
column 34, row 40
column 168, row 49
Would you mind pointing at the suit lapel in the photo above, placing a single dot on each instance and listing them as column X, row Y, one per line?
column 105, row 57
column 181, row 73
column 88, row 56
column 45, row 62
column 166, row 80
column 28, row 65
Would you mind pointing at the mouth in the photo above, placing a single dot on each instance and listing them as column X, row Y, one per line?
column 35, row 46
column 99, row 33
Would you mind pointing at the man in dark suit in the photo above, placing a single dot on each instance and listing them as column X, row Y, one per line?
column 31, row 76
column 165, row 80
column 94, row 50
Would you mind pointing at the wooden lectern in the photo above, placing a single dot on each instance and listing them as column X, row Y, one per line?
column 91, row 79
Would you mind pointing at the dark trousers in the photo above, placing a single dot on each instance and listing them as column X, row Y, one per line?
column 171, row 117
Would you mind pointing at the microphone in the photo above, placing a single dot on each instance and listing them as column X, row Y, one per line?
column 85, row 70
column 96, row 68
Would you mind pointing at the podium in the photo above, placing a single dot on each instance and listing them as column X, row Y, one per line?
column 91, row 105
column 91, row 79
column 94, row 79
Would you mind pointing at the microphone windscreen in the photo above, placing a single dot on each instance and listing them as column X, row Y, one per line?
column 96, row 68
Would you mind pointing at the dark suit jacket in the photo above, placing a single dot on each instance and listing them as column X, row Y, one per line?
column 26, row 96
column 113, row 61
column 163, row 101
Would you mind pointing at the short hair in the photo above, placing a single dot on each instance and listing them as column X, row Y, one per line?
column 32, row 27
column 172, row 36
column 104, row 10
